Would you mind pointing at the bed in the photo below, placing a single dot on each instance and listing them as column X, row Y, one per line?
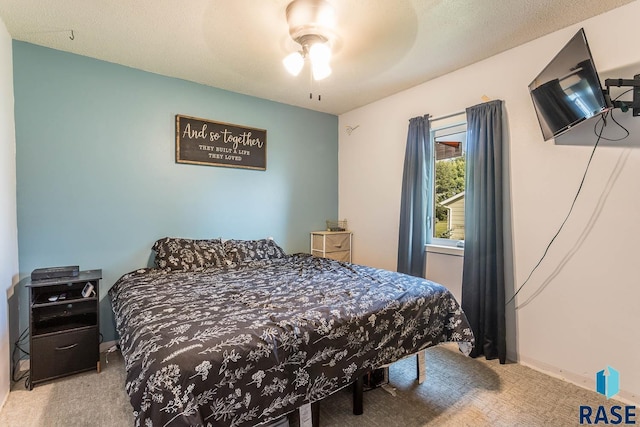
column 238, row 334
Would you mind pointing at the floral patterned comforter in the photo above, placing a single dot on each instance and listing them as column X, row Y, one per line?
column 241, row 346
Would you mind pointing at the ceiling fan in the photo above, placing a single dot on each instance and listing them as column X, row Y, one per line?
column 311, row 25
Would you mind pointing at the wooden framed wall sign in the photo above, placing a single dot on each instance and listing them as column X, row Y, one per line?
column 205, row 142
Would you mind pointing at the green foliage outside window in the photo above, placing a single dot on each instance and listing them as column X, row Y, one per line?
column 449, row 181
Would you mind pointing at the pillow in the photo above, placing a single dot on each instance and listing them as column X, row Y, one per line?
column 173, row 253
column 238, row 251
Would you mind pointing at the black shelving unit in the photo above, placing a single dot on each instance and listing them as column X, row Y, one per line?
column 64, row 329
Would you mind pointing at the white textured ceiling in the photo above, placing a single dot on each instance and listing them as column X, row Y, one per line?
column 382, row 46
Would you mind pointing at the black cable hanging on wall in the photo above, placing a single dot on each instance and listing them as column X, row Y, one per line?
column 603, row 120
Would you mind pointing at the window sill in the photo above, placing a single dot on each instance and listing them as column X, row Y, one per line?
column 446, row 250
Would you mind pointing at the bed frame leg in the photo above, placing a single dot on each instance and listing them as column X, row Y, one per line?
column 421, row 360
column 315, row 414
column 358, row 390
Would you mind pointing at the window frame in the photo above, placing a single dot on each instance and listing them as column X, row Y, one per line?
column 461, row 121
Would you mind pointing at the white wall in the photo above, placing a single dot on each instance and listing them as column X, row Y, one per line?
column 8, row 222
column 444, row 265
column 586, row 315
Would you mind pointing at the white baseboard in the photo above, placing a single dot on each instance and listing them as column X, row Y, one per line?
column 4, row 399
column 104, row 346
column 589, row 383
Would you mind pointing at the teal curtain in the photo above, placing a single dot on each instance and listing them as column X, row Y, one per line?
column 483, row 284
column 415, row 201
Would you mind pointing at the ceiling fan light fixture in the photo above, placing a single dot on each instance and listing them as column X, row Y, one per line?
column 311, row 24
column 309, row 17
column 293, row 63
column 320, row 53
column 320, row 70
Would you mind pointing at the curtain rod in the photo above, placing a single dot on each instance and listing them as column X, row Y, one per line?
column 446, row 116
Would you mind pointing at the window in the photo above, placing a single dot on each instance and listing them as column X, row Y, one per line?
column 448, row 178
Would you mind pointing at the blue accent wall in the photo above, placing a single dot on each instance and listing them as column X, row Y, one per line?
column 97, row 181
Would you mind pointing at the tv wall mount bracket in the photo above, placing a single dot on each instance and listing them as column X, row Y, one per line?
column 625, row 105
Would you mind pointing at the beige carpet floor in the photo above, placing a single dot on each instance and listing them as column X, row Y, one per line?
column 459, row 391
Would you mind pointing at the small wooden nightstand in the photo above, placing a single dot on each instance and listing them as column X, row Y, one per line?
column 331, row 244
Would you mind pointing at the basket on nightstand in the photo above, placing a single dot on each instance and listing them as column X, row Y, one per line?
column 339, row 225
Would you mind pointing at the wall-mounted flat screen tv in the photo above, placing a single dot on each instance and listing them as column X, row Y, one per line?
column 568, row 92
